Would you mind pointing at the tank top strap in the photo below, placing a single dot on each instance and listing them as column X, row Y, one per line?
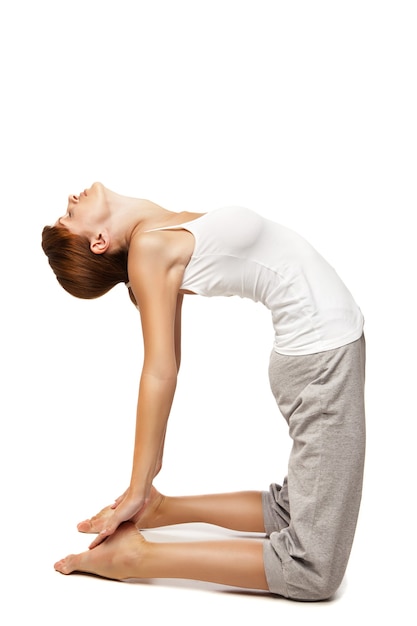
column 185, row 225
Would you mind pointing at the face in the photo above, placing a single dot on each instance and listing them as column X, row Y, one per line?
column 86, row 212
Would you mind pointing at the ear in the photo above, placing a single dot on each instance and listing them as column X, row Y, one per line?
column 100, row 243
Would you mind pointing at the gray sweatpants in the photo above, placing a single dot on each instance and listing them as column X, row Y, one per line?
column 311, row 518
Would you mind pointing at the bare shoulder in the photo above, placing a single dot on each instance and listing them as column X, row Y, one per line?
column 156, row 265
column 165, row 249
column 149, row 243
column 150, row 249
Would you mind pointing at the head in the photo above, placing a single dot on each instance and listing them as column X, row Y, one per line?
column 80, row 271
column 78, row 248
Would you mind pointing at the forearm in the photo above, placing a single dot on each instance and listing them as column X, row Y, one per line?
column 154, row 405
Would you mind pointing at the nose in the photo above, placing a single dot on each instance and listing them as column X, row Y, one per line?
column 73, row 198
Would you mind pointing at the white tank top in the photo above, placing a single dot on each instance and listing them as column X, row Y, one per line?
column 239, row 253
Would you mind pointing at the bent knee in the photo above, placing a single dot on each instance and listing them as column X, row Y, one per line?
column 306, row 580
column 313, row 591
column 312, row 583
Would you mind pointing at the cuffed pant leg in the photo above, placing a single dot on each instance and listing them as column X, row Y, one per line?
column 322, row 398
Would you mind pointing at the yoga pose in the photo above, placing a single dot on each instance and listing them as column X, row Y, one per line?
column 317, row 371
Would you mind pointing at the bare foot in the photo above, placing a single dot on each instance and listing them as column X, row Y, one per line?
column 118, row 557
column 148, row 519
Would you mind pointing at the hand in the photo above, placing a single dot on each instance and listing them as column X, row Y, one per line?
column 108, row 520
column 98, row 522
column 149, row 517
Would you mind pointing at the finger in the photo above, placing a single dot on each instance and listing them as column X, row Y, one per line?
column 118, row 501
column 101, row 537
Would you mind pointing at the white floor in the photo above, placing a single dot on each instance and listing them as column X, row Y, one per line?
column 378, row 586
column 38, row 593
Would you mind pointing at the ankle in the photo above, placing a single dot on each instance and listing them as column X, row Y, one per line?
column 132, row 561
column 160, row 515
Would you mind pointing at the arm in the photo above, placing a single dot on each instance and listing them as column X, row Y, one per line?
column 178, row 311
column 155, row 279
column 180, row 298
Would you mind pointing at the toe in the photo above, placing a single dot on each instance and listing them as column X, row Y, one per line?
column 63, row 566
column 85, row 526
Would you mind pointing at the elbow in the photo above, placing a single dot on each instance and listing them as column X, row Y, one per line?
column 162, row 369
column 167, row 375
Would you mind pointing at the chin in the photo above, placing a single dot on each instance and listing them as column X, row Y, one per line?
column 97, row 189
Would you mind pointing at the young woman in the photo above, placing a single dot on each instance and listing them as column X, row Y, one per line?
column 317, row 371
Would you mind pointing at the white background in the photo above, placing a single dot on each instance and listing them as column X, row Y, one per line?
column 303, row 111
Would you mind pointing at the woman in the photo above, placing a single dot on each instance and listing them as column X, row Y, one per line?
column 316, row 373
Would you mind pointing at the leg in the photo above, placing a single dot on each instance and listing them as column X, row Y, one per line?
column 126, row 554
column 237, row 511
column 321, row 396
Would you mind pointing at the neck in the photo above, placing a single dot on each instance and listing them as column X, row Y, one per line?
column 130, row 216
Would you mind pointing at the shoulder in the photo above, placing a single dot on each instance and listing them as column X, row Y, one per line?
column 146, row 243
column 154, row 265
column 152, row 249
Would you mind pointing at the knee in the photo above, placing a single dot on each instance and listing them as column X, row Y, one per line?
column 308, row 578
column 313, row 587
